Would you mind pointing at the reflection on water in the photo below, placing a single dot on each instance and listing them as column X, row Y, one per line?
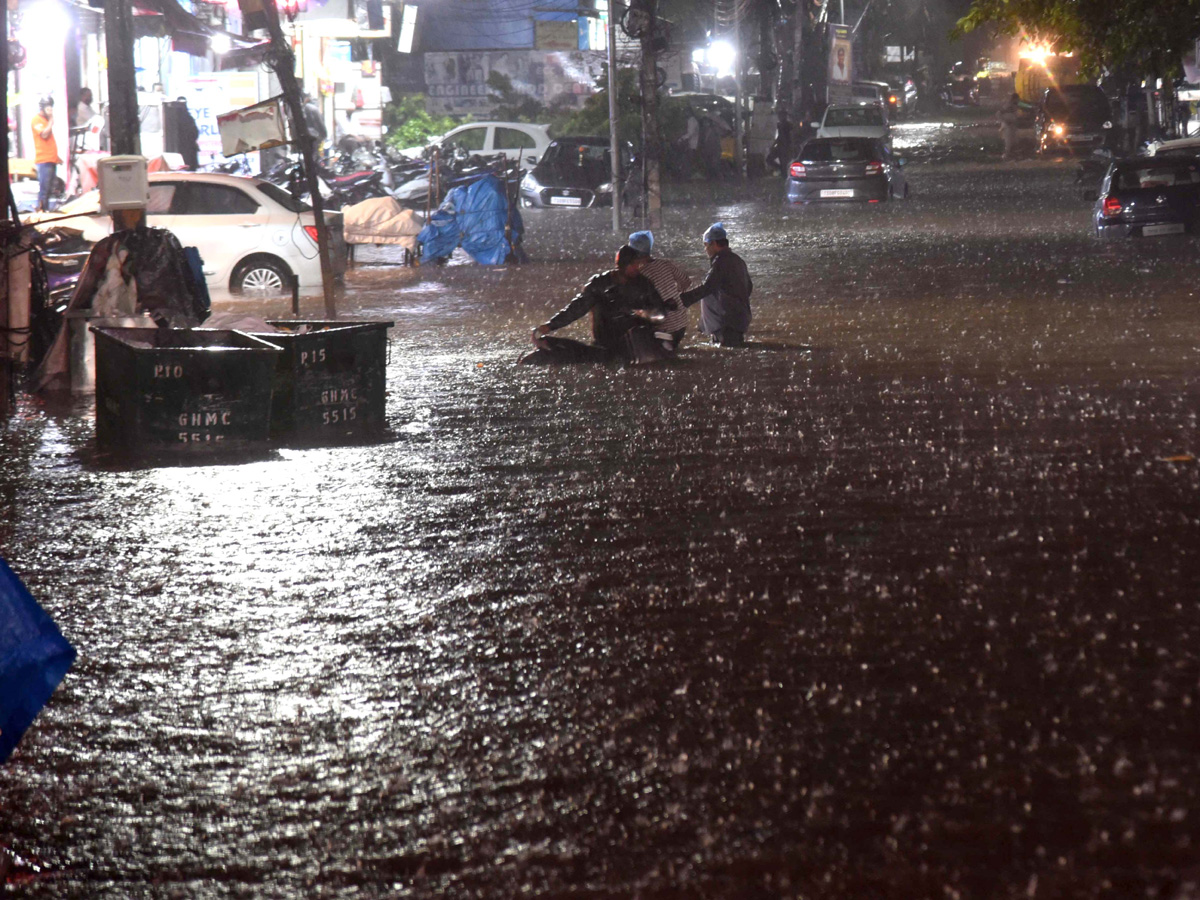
column 891, row 603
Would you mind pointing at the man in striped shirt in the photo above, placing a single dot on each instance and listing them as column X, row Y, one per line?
column 670, row 281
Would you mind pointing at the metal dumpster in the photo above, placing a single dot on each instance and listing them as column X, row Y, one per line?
column 330, row 380
column 190, row 390
column 81, row 345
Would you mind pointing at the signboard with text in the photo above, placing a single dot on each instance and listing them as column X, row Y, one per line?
column 456, row 83
column 210, row 95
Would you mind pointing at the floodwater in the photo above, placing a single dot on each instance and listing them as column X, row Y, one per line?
column 898, row 601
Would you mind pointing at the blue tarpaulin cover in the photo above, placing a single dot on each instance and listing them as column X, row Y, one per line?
column 34, row 657
column 476, row 216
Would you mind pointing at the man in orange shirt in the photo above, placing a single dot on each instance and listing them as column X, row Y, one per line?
column 45, row 150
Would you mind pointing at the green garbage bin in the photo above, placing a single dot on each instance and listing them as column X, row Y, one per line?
column 190, row 390
column 330, row 380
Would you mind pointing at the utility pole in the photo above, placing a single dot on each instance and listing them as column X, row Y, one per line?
column 124, row 125
column 283, row 62
column 613, row 135
column 738, row 155
column 651, row 151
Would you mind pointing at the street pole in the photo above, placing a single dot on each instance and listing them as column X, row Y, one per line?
column 738, row 160
column 650, row 148
column 613, row 136
column 283, row 62
column 124, row 126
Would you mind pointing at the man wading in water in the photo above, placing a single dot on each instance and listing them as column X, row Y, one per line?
column 624, row 307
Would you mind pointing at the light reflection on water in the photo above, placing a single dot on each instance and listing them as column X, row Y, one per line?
column 748, row 623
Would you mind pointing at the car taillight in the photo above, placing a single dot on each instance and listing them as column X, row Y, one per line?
column 797, row 170
column 1111, row 207
column 893, row 99
column 874, row 168
column 311, row 231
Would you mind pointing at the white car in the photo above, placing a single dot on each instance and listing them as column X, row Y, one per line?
column 251, row 235
column 1188, row 146
column 518, row 141
column 869, row 121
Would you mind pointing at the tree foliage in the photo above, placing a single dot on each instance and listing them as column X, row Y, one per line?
column 410, row 124
column 593, row 118
column 1150, row 36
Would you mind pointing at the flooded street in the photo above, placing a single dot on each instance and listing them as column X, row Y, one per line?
column 898, row 601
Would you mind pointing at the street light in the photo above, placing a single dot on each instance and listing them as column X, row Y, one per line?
column 722, row 55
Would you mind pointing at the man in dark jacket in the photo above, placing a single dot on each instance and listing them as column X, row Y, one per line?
column 624, row 305
column 724, row 296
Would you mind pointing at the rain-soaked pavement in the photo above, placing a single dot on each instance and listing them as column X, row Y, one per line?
column 899, row 601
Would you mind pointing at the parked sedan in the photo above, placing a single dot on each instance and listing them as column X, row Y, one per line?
column 574, row 172
column 1147, row 197
column 251, row 235
column 845, row 169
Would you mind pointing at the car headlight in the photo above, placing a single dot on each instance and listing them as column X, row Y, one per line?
column 529, row 183
column 1058, row 130
column 605, row 188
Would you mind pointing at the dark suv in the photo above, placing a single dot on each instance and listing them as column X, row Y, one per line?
column 1073, row 117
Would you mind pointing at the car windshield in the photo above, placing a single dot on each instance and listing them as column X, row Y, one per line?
column 851, row 116
column 575, row 153
column 1155, row 176
column 1090, row 105
column 847, row 150
column 282, row 197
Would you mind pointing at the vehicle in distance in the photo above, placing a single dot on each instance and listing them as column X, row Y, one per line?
column 518, row 141
column 1148, row 197
column 868, row 92
column 252, row 235
column 574, row 172
column 843, row 120
column 841, row 169
column 1073, row 117
column 902, row 97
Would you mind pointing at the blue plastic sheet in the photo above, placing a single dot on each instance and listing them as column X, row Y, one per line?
column 478, row 217
column 34, row 657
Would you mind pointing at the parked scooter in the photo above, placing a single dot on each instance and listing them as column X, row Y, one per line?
column 338, row 190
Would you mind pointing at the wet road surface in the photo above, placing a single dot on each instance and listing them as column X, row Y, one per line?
column 898, row 601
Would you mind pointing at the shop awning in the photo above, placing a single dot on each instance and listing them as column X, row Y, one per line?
column 188, row 33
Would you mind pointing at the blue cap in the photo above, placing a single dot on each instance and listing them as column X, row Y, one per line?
column 642, row 241
column 716, row 232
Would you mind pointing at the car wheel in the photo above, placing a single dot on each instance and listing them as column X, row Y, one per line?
column 261, row 275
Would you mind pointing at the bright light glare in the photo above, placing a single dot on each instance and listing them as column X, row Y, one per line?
column 46, row 18
column 1036, row 53
column 220, row 43
column 698, row 55
column 722, row 55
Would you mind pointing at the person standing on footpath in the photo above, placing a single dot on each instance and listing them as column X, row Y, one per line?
column 45, row 151
column 670, row 281
column 724, row 296
column 83, row 110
